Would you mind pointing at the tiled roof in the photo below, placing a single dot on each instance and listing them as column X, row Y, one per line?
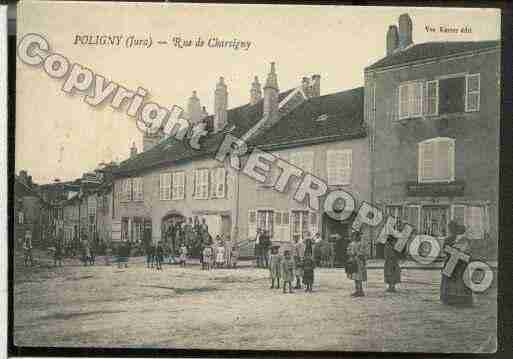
column 335, row 116
column 345, row 119
column 431, row 50
column 171, row 150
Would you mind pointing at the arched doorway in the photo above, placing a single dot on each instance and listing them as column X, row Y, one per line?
column 170, row 223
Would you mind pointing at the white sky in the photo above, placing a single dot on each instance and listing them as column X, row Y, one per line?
column 60, row 136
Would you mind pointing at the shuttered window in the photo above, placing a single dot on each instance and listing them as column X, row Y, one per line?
column 474, row 218
column 412, row 216
column 252, row 224
column 218, row 186
column 436, row 160
column 126, row 190
column 303, row 160
column 201, row 183
column 431, row 107
column 138, row 189
column 339, row 167
column 165, row 187
column 410, row 99
column 473, row 90
column 178, row 185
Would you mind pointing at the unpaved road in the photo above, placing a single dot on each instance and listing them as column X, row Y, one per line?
column 104, row 306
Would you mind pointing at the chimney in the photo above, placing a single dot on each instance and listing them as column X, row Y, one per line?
column 316, row 85
column 256, row 92
column 194, row 108
column 405, row 31
column 204, row 112
column 24, row 177
column 133, row 150
column 305, row 85
column 150, row 140
column 220, row 105
column 392, row 39
column 271, row 93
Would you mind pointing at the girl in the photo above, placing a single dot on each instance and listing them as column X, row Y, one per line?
column 287, row 271
column 275, row 266
column 392, row 270
column 356, row 257
column 207, row 258
column 220, row 255
column 308, row 271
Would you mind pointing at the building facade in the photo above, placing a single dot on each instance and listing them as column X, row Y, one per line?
column 433, row 111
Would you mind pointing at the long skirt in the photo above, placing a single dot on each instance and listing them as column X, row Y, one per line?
column 308, row 276
column 361, row 271
column 392, row 271
column 453, row 290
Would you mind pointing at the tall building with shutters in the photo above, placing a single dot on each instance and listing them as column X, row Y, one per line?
column 433, row 112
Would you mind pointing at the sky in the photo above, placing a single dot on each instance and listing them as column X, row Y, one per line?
column 60, row 136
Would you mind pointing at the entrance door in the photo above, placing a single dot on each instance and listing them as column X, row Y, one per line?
column 226, row 225
column 332, row 227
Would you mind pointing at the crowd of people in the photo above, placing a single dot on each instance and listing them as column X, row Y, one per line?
column 294, row 268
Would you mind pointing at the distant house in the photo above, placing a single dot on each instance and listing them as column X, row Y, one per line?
column 30, row 210
column 433, row 111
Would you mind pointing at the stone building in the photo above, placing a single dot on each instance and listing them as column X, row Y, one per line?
column 433, row 112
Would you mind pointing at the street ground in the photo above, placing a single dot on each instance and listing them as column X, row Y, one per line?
column 104, row 306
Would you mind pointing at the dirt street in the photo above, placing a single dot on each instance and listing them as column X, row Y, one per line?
column 103, row 306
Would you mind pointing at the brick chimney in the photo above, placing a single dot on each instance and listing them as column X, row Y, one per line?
column 194, row 109
column 133, row 150
column 150, row 140
column 316, row 85
column 305, row 85
column 24, row 177
column 256, row 92
column 220, row 105
column 405, row 31
column 392, row 39
column 271, row 92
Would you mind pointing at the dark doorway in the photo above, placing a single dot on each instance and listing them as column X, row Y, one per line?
column 331, row 227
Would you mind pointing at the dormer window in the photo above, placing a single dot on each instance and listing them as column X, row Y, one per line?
column 322, row 117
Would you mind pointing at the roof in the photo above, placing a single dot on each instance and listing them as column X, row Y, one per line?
column 335, row 116
column 431, row 50
column 344, row 120
column 172, row 150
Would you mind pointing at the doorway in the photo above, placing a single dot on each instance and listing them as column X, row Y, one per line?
column 332, row 227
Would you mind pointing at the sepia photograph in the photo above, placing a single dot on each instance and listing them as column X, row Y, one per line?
column 256, row 177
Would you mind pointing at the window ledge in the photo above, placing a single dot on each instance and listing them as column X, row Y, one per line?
column 448, row 116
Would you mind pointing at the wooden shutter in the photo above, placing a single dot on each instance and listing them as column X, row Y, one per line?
column 413, row 216
column 214, row 179
column 426, row 161
column 474, row 222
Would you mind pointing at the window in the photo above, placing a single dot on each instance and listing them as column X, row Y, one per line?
column 397, row 213
column 434, row 221
column 473, row 89
column 410, row 100
column 201, row 183
column 265, row 221
column 474, row 218
column 218, row 188
column 126, row 190
column 178, row 184
column 91, row 206
column 339, row 167
column 138, row 189
column 436, row 160
column 300, row 224
column 165, row 187
column 431, row 107
column 302, row 159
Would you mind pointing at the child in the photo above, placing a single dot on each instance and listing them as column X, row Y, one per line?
column 158, row 256
column 275, row 266
column 288, row 268
column 183, row 255
column 308, row 272
column 220, row 255
column 207, row 258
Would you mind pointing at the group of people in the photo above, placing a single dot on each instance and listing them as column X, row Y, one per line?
column 221, row 253
column 295, row 265
column 187, row 232
column 453, row 290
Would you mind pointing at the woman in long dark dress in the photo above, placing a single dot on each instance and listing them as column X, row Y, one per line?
column 453, row 290
column 356, row 256
column 392, row 269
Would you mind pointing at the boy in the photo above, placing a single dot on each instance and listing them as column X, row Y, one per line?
column 287, row 271
column 308, row 272
column 159, row 256
column 207, row 258
column 275, row 266
column 183, row 255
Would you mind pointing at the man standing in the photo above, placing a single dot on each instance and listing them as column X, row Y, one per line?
column 258, row 248
column 27, row 248
column 298, row 254
column 265, row 245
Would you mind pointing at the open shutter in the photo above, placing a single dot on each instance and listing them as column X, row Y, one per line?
column 252, row 224
column 413, row 216
column 458, row 213
column 214, row 179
